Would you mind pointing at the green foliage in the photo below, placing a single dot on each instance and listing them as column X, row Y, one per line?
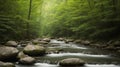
column 91, row 19
column 13, row 19
column 94, row 19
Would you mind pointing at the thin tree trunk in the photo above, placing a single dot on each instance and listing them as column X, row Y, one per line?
column 29, row 17
column 30, row 7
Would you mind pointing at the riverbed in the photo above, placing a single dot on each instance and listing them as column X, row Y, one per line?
column 93, row 57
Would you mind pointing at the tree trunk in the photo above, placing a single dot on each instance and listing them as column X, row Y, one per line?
column 29, row 17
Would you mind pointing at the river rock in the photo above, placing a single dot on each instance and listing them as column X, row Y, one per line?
column 46, row 39
column 8, row 53
column 39, row 39
column 11, row 43
column 34, row 50
column 69, row 40
column 119, row 51
column 60, row 39
column 116, row 43
column 71, row 62
column 77, row 41
column 43, row 42
column 85, row 42
column 98, row 45
column 21, row 55
column 7, row 64
column 24, row 43
column 35, row 42
column 27, row 60
column 110, row 47
column 110, row 42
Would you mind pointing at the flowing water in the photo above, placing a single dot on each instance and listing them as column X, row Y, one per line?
column 93, row 57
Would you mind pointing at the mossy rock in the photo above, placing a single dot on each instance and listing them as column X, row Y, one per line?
column 71, row 62
column 7, row 64
column 34, row 50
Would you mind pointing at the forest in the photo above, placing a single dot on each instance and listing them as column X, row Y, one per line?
column 92, row 23
column 95, row 19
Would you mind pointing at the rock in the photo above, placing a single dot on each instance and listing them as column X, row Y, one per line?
column 77, row 41
column 110, row 42
column 110, row 48
column 39, row 39
column 119, row 51
column 24, row 43
column 8, row 53
column 27, row 60
column 7, row 64
column 11, row 43
column 34, row 50
column 71, row 62
column 60, row 39
column 116, row 43
column 85, row 42
column 66, row 42
column 35, row 42
column 52, row 37
column 46, row 39
column 69, row 40
column 98, row 45
column 43, row 42
column 21, row 55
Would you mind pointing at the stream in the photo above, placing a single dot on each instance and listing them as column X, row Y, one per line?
column 93, row 57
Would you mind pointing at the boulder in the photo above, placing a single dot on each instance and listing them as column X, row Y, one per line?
column 85, row 42
column 71, row 62
column 7, row 64
column 8, row 53
column 21, row 55
column 27, row 60
column 34, row 50
column 11, row 43
column 46, row 39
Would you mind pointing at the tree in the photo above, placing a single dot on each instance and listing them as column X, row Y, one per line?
column 29, row 16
